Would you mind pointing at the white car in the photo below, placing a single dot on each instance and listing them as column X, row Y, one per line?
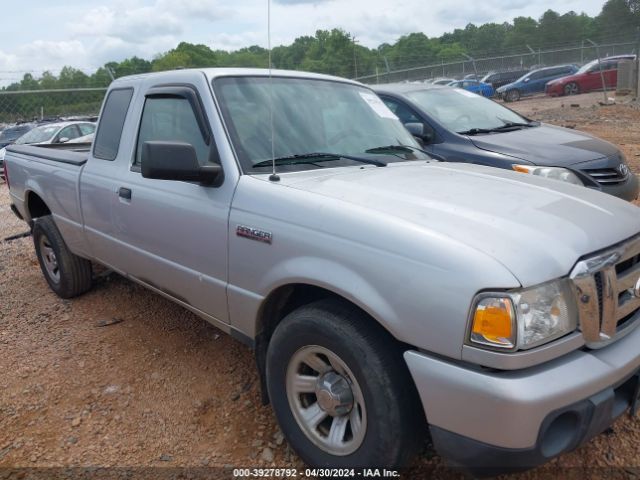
column 55, row 133
column 60, row 132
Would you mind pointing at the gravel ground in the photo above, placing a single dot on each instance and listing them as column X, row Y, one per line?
column 159, row 387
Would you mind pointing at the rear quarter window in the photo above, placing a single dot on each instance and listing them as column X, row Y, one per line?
column 114, row 113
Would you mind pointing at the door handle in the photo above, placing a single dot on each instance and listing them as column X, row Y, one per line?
column 124, row 193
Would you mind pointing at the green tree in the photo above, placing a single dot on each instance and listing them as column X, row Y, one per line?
column 619, row 18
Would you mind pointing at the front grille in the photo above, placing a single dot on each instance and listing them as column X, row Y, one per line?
column 607, row 293
column 606, row 176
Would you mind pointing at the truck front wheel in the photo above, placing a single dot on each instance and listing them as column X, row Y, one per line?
column 67, row 274
column 340, row 389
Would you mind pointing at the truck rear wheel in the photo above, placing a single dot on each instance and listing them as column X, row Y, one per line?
column 67, row 274
column 340, row 389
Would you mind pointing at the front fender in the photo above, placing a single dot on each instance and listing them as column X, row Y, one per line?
column 244, row 306
column 416, row 283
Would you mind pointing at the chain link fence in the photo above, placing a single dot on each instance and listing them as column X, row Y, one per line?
column 25, row 104
column 28, row 105
column 525, row 60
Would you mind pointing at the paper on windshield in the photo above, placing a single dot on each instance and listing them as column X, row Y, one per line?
column 377, row 105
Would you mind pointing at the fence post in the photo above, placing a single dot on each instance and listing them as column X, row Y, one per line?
column 604, row 85
column 637, row 66
column 637, row 77
column 473, row 62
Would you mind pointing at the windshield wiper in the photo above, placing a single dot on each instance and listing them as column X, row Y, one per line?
column 515, row 125
column 315, row 157
column 507, row 126
column 394, row 148
column 475, row 131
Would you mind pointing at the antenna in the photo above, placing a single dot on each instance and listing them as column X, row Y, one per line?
column 274, row 177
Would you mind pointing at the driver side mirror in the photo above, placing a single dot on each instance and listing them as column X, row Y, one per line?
column 419, row 132
column 176, row 161
column 63, row 140
column 526, row 80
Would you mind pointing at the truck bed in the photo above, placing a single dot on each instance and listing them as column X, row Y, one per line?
column 69, row 153
column 51, row 173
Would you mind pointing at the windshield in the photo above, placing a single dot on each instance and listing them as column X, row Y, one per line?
column 585, row 68
column 459, row 110
column 488, row 78
column 38, row 135
column 308, row 116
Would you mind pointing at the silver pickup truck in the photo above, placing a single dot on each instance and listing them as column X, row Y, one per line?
column 382, row 291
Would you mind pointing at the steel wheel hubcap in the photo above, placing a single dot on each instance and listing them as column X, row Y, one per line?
column 49, row 259
column 326, row 400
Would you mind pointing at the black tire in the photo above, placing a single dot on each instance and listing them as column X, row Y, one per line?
column 394, row 416
column 512, row 95
column 571, row 88
column 73, row 273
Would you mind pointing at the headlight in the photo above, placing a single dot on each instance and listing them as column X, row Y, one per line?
column 555, row 173
column 524, row 319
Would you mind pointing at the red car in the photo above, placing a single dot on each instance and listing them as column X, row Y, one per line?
column 588, row 78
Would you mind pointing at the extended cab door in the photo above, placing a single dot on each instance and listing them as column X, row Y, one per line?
column 172, row 235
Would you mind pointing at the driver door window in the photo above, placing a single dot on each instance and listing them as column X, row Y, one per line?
column 407, row 115
column 69, row 133
column 404, row 113
column 171, row 119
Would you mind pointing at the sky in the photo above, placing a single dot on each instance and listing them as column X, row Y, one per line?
column 40, row 35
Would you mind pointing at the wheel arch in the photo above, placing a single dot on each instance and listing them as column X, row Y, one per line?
column 35, row 206
column 285, row 299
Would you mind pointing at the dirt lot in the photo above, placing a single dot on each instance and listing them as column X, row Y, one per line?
column 162, row 388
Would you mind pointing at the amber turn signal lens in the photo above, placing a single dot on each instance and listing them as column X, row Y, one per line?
column 521, row 168
column 493, row 323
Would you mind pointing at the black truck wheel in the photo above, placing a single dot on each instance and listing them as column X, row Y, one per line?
column 67, row 274
column 340, row 389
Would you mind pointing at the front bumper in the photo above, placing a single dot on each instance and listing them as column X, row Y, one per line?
column 603, row 174
column 626, row 191
column 493, row 421
column 554, row 90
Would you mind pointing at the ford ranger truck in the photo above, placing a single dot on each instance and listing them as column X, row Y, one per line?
column 381, row 290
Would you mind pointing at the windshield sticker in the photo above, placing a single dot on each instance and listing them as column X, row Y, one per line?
column 377, row 105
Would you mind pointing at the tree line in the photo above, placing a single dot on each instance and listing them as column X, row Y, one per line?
column 337, row 52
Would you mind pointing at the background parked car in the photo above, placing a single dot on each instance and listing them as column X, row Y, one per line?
column 534, row 82
column 498, row 79
column 48, row 133
column 459, row 126
column 9, row 135
column 588, row 78
column 60, row 132
column 474, row 86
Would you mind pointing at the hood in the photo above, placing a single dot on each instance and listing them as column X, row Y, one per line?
column 546, row 145
column 536, row 228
